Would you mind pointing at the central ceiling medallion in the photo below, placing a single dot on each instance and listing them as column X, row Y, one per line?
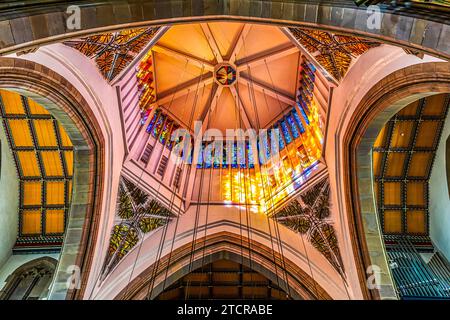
column 225, row 74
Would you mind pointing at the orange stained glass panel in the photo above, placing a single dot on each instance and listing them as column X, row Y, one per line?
column 416, row 221
column 45, row 133
column 392, row 221
column 426, row 136
column 65, row 140
column 52, row 163
column 12, row 102
column 415, row 193
column 392, row 193
column 36, row 109
column 395, row 164
column 28, row 163
column 402, row 134
column 31, row 222
column 55, row 192
column 419, row 165
column 32, row 193
column 20, row 131
column 54, row 221
column 68, row 158
column 435, row 105
column 410, row 110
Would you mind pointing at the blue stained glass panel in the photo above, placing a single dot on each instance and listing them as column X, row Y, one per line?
column 224, row 156
column 207, row 154
column 241, row 155
column 152, row 122
column 200, row 157
column 234, row 157
column 298, row 121
column 158, row 126
column 302, row 111
column 292, row 126
column 282, row 145
column 251, row 160
column 285, row 130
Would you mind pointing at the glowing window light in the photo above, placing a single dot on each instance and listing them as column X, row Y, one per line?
column 158, row 125
column 207, row 156
column 251, row 159
column 153, row 121
column 234, row 163
column 302, row 111
column 285, row 130
column 165, row 131
column 280, row 138
column 240, row 150
column 217, row 157
column 292, row 126
column 298, row 121
column 171, row 143
column 225, row 156
column 200, row 156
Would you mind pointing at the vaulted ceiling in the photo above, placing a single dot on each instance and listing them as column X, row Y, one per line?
column 43, row 155
column 266, row 63
column 403, row 156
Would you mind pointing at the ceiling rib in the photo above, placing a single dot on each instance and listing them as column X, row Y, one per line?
column 184, row 57
column 212, row 42
column 184, row 88
column 243, row 113
column 239, row 43
column 266, row 56
column 204, row 118
column 267, row 90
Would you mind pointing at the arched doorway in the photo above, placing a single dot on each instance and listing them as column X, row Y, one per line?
column 383, row 101
column 218, row 247
column 223, row 279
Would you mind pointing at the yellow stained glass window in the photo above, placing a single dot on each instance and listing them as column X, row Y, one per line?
column 31, row 222
column 54, row 221
column 52, row 163
column 20, row 132
column 32, row 193
column 28, row 163
column 45, row 133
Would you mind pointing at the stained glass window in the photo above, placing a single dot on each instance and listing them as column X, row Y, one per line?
column 158, row 126
column 208, row 156
column 292, row 126
column 234, row 163
column 285, row 130
column 114, row 51
column 302, row 111
column 282, row 145
column 165, row 131
column 298, row 120
column 241, row 154
column 217, row 155
column 335, row 51
column 171, row 143
column 153, row 121
column 251, row 159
